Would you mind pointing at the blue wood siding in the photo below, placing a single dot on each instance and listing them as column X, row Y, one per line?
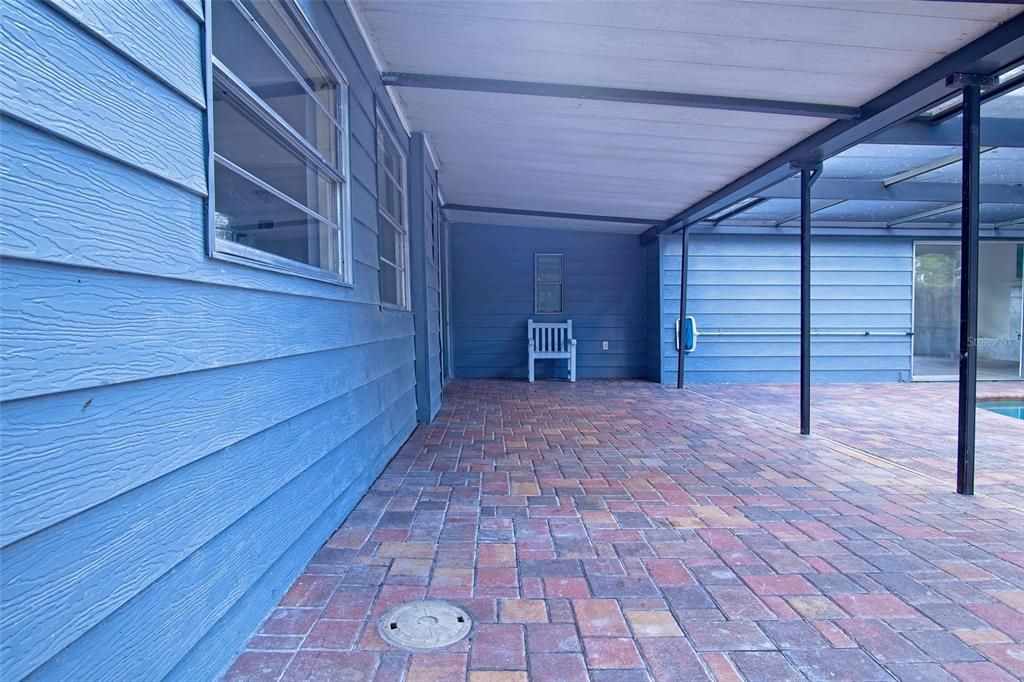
column 493, row 290
column 58, row 77
column 444, row 303
column 750, row 283
column 424, row 270
column 652, row 309
column 180, row 435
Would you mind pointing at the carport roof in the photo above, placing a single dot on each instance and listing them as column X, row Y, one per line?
column 671, row 112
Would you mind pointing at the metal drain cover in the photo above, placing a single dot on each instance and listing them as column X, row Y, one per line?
column 423, row 625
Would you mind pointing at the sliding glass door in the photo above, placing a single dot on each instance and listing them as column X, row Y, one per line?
column 937, row 310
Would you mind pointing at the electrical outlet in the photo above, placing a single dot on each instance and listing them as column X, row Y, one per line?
column 604, row 345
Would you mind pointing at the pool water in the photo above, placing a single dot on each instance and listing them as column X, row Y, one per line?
column 1011, row 408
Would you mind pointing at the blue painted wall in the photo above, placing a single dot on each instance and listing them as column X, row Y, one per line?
column 425, row 257
column 752, row 283
column 652, row 309
column 492, row 290
column 180, row 435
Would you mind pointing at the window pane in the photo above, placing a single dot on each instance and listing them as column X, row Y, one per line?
column 298, row 52
column 241, row 140
column 389, row 242
column 393, row 234
column 389, row 200
column 549, row 269
column 549, row 298
column 393, row 205
column 390, row 178
column 243, row 51
column 249, row 215
column 389, row 286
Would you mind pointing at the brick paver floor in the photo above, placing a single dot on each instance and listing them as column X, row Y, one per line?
column 912, row 424
column 625, row 531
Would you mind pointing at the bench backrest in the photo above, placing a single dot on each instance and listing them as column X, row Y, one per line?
column 550, row 337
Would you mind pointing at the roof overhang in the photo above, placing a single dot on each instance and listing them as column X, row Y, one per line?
column 613, row 116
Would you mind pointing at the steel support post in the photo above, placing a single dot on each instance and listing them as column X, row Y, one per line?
column 971, row 182
column 684, row 258
column 808, row 174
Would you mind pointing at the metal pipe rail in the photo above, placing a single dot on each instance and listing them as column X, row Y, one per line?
column 794, row 333
column 813, row 333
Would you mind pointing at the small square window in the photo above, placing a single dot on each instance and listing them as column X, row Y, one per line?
column 548, row 275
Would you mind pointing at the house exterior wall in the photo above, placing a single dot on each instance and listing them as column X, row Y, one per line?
column 752, row 283
column 425, row 254
column 445, row 274
column 180, row 434
column 652, row 309
column 493, row 297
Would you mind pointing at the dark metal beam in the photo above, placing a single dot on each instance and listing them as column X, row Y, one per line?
column 980, row 2
column 808, row 174
column 551, row 214
column 990, row 53
column 945, row 231
column 996, row 132
column 925, row 168
column 1002, row 84
column 920, row 215
column 971, row 179
column 822, row 207
column 874, row 190
column 591, row 92
column 733, row 211
column 684, row 258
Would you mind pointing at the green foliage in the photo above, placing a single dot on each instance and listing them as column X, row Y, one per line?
column 937, row 270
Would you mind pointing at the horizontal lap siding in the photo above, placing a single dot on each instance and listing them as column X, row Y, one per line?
column 435, row 241
column 136, row 28
column 493, row 297
column 652, row 309
column 436, row 382
column 425, row 233
column 59, row 78
column 747, row 283
column 180, row 434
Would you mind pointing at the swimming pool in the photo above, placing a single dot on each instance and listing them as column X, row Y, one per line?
column 1011, row 408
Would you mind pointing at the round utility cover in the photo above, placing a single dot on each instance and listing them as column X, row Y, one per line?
column 423, row 625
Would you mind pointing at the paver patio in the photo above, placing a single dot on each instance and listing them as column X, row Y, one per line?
column 912, row 424
column 613, row 530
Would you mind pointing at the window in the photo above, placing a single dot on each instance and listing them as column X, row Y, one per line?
column 280, row 148
column 392, row 216
column 547, row 280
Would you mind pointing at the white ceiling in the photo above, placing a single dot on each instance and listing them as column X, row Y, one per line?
column 552, row 154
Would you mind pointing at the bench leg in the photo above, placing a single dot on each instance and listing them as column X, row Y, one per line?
column 531, row 369
column 572, row 366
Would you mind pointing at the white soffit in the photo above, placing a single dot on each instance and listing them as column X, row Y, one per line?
column 624, row 159
column 474, row 217
column 608, row 158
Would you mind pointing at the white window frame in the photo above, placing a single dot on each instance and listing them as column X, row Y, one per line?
column 404, row 294
column 218, row 76
column 537, row 283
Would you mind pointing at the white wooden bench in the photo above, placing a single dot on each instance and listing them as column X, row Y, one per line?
column 551, row 341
